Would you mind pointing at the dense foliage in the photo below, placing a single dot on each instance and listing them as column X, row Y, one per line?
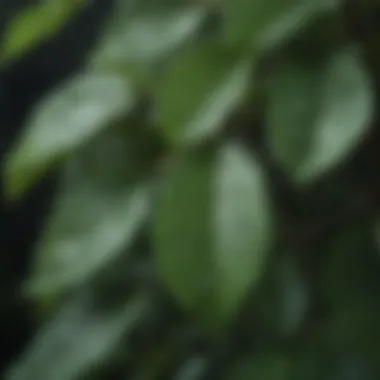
column 215, row 215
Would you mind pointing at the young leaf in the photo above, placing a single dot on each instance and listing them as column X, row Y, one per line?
column 212, row 231
column 35, row 24
column 63, row 121
column 198, row 92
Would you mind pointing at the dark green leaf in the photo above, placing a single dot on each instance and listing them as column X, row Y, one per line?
column 317, row 114
column 78, row 338
column 268, row 23
column 284, row 298
column 212, row 232
column 101, row 206
column 198, row 92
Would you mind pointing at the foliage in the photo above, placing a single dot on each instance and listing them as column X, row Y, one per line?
column 216, row 214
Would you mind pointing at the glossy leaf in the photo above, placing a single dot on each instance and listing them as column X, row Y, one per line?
column 35, row 24
column 318, row 114
column 212, row 231
column 198, row 92
column 66, row 119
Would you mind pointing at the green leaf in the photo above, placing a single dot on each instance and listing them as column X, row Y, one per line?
column 35, row 24
column 146, row 35
column 101, row 206
column 266, row 24
column 66, row 119
column 212, row 231
column 80, row 337
column 290, row 113
column 198, row 92
column 317, row 114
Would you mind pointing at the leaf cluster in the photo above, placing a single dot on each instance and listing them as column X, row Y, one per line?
column 216, row 214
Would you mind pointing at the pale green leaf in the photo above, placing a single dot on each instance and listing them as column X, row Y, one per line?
column 212, row 231
column 198, row 92
column 241, row 225
column 146, row 35
column 66, row 119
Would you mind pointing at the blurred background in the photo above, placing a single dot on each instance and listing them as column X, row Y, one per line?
column 190, row 189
